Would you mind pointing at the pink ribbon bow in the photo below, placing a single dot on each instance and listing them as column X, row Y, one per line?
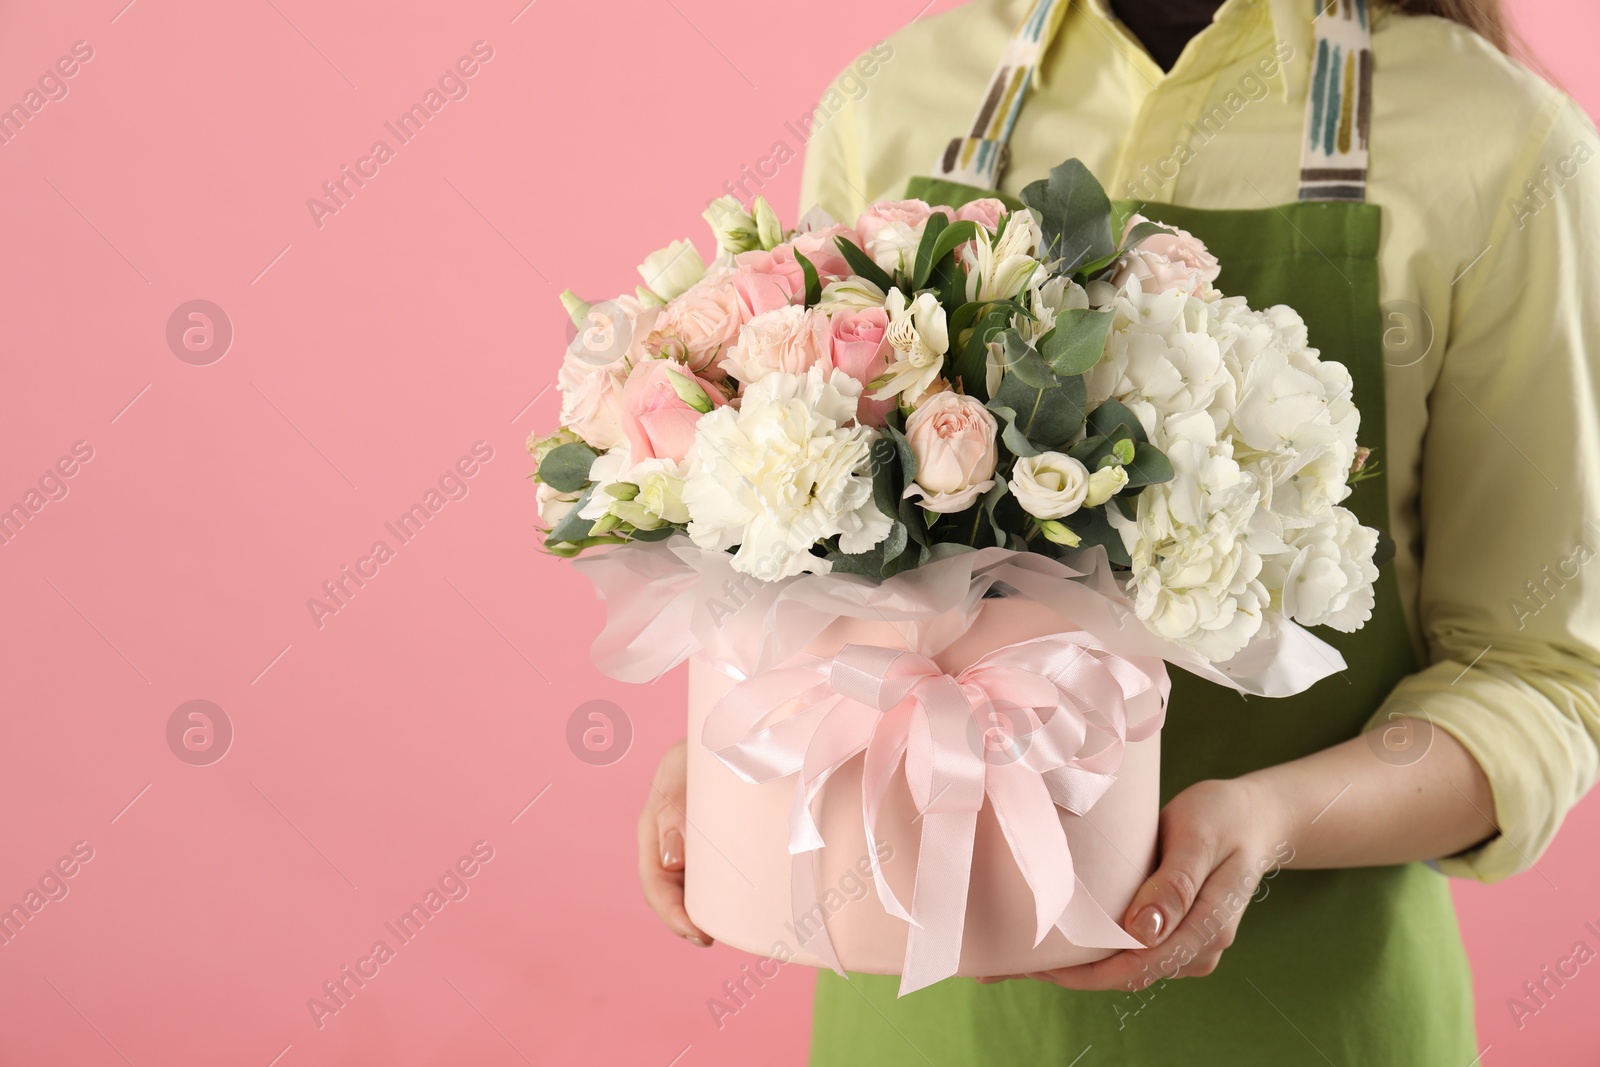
column 890, row 703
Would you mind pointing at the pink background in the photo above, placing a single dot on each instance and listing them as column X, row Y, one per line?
column 370, row 354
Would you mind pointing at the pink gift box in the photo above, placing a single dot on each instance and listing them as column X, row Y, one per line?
column 739, row 868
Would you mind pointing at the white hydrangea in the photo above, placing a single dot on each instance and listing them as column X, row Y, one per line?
column 1261, row 433
column 786, row 469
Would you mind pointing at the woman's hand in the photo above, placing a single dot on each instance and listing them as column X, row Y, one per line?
column 1357, row 804
column 661, row 845
column 1218, row 840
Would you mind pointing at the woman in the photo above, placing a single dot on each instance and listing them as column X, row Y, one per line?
column 1426, row 204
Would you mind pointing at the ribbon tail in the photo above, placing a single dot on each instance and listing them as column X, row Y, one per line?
column 939, row 901
column 1027, row 816
column 1087, row 925
column 807, row 908
column 888, row 744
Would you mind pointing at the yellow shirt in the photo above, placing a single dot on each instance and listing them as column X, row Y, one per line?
column 1490, row 277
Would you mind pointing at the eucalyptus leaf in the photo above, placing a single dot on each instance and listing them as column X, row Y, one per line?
column 1093, row 528
column 1023, row 361
column 1150, row 466
column 1074, row 215
column 1013, row 438
column 1110, row 414
column 1077, row 341
column 661, row 533
column 1047, row 417
column 572, row 526
column 566, row 468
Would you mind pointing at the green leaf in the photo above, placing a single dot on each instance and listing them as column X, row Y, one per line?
column 886, row 475
column 1142, row 233
column 1091, row 450
column 1074, row 215
column 660, row 533
column 566, row 468
column 971, row 362
column 908, row 459
column 894, row 545
column 1048, row 417
column 1021, row 360
column 813, row 282
column 572, row 527
column 993, row 504
column 1150, row 466
column 950, row 281
column 922, row 264
column 1077, row 341
column 950, row 238
column 1111, row 414
column 1136, row 236
column 1013, row 438
column 862, row 264
column 1092, row 526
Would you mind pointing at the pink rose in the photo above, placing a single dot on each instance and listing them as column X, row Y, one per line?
column 792, row 339
column 860, row 347
column 591, row 399
column 910, row 213
column 765, row 282
column 659, row 423
column 986, row 212
column 952, row 437
column 890, row 230
column 703, row 322
column 1166, row 261
column 822, row 249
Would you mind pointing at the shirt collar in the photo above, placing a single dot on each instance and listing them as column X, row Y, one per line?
column 1291, row 23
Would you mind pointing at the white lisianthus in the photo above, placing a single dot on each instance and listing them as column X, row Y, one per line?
column 671, row 271
column 554, row 504
column 656, row 499
column 769, row 229
column 1051, row 485
column 1104, row 484
column 894, row 245
column 787, row 469
column 920, row 337
column 733, row 227
column 1000, row 269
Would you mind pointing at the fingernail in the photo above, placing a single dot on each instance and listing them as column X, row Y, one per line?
column 1147, row 926
column 696, row 939
column 671, row 848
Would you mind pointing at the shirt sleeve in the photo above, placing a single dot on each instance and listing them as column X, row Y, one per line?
column 832, row 176
column 1509, row 601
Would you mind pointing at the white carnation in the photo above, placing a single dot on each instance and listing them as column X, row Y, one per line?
column 787, row 469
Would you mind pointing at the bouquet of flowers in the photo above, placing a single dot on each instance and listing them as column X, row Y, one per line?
column 870, row 398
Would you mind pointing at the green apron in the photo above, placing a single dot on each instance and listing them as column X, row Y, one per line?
column 1346, row 967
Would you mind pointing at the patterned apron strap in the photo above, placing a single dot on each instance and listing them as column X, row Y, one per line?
column 1333, row 160
column 979, row 158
